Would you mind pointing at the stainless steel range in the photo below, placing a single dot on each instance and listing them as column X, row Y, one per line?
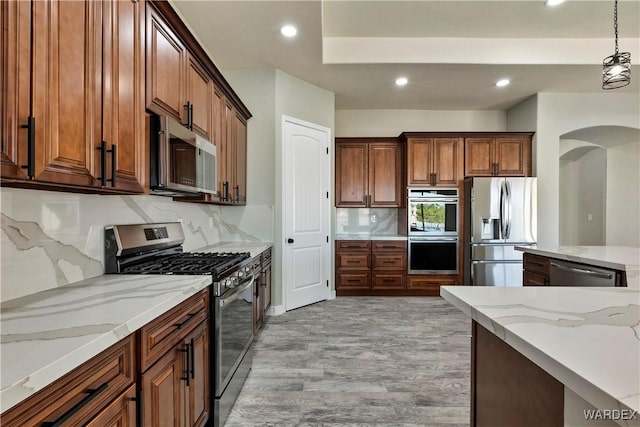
column 157, row 249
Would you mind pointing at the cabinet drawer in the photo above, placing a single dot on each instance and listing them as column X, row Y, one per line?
column 536, row 264
column 160, row 335
column 265, row 257
column 389, row 245
column 430, row 282
column 534, row 279
column 82, row 394
column 352, row 281
column 391, row 280
column 353, row 245
column 353, row 261
column 390, row 261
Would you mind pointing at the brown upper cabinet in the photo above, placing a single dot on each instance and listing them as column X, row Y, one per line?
column 507, row 155
column 369, row 172
column 166, row 69
column 433, row 161
column 74, row 115
column 177, row 84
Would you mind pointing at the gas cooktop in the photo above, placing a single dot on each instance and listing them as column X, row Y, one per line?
column 188, row 263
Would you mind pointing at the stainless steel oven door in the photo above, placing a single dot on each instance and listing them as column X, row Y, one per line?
column 437, row 255
column 435, row 216
column 233, row 332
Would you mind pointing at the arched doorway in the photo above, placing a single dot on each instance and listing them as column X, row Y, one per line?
column 600, row 186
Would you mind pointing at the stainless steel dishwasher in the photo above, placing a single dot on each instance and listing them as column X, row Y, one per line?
column 564, row 273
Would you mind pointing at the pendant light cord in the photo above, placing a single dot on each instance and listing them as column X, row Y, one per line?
column 615, row 23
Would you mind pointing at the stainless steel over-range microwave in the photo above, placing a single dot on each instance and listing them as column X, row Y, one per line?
column 181, row 160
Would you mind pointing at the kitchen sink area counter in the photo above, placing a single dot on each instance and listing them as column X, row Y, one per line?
column 623, row 258
column 48, row 334
column 586, row 340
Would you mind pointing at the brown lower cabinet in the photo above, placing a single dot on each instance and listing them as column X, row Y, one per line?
column 263, row 291
column 170, row 358
column 92, row 392
column 507, row 389
column 176, row 387
column 379, row 267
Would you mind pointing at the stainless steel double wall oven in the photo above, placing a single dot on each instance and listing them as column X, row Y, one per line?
column 433, row 231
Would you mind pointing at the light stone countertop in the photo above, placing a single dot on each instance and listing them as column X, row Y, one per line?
column 47, row 334
column 254, row 248
column 586, row 338
column 625, row 258
column 367, row 236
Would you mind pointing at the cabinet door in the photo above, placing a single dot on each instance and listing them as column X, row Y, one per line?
column 166, row 59
column 240, row 189
column 227, row 160
column 15, row 54
column 478, row 156
column 123, row 93
column 197, row 402
column 510, row 156
column 120, row 413
column 219, row 137
column 200, row 96
column 351, row 175
column 267, row 292
column 66, row 98
column 447, row 161
column 163, row 391
column 385, row 175
column 420, row 161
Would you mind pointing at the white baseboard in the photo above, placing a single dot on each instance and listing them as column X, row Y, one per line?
column 276, row 310
column 333, row 295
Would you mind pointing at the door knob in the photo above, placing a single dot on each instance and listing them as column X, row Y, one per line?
column 289, row 240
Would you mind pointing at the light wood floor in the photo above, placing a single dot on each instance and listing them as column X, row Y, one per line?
column 360, row 361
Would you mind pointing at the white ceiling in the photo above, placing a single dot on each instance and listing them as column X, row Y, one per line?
column 452, row 51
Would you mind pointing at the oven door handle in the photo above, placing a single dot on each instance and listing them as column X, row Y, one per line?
column 433, row 239
column 237, row 292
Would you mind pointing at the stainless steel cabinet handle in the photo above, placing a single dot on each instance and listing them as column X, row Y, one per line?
column 581, row 271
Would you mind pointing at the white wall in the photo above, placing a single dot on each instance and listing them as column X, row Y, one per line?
column 353, row 123
column 269, row 94
column 623, row 195
column 583, row 191
column 557, row 114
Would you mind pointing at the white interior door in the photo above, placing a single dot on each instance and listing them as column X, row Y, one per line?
column 306, row 259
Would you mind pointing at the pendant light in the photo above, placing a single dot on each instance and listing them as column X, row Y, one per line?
column 616, row 69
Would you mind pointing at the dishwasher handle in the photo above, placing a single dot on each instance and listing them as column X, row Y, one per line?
column 584, row 271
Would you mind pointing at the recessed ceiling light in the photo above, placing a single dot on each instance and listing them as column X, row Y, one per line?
column 503, row 82
column 288, row 31
column 401, row 81
column 553, row 2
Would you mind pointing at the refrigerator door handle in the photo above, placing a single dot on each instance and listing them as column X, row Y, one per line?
column 502, row 210
column 507, row 187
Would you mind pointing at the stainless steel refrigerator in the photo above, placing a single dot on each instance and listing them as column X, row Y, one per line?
column 500, row 213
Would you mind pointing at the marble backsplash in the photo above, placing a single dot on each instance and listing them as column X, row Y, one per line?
column 367, row 221
column 50, row 238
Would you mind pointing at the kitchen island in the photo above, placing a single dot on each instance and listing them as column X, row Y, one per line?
column 621, row 258
column 552, row 356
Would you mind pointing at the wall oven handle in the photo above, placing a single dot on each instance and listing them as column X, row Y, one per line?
column 433, row 239
column 237, row 292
